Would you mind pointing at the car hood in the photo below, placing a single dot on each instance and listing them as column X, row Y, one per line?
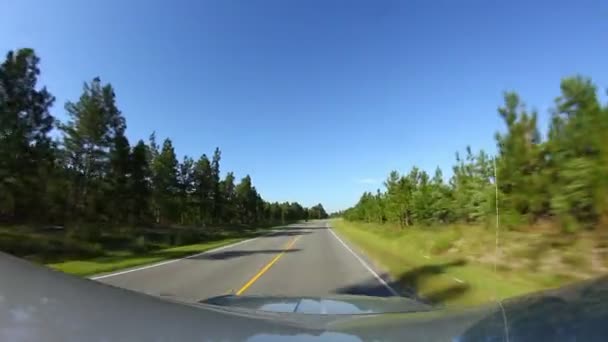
column 39, row 304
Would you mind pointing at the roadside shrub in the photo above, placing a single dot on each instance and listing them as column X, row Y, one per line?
column 77, row 248
column 509, row 219
column 43, row 248
column 185, row 237
column 574, row 259
column 85, row 232
column 569, row 224
column 139, row 245
column 445, row 241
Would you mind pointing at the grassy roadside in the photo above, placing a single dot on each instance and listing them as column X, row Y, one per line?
column 454, row 266
column 114, row 249
column 120, row 260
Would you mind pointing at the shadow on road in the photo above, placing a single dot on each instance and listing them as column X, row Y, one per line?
column 304, row 226
column 310, row 227
column 290, row 232
column 370, row 287
column 410, row 283
column 225, row 255
column 237, row 254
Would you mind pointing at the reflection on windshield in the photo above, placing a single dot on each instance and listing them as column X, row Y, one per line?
column 574, row 313
column 331, row 305
column 286, row 306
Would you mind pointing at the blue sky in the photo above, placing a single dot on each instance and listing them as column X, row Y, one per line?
column 317, row 100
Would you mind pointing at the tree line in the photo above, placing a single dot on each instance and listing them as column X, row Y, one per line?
column 561, row 178
column 91, row 173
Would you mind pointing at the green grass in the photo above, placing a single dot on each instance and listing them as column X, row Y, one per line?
column 116, row 249
column 121, row 260
column 429, row 260
column 48, row 246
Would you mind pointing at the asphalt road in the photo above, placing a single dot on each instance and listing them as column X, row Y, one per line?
column 305, row 259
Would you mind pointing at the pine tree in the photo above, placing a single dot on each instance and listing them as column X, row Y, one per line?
column 165, row 184
column 229, row 205
column 440, row 199
column 26, row 151
column 94, row 123
column 117, row 181
column 187, row 188
column 577, row 152
column 204, row 189
column 520, row 161
column 472, row 187
column 139, row 184
column 245, row 198
column 215, row 184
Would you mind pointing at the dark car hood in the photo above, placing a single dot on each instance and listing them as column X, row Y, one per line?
column 39, row 304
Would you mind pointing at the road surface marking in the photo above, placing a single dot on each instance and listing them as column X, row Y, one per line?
column 388, row 287
column 174, row 260
column 458, row 280
column 267, row 267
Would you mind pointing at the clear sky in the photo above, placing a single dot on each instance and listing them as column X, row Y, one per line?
column 317, row 99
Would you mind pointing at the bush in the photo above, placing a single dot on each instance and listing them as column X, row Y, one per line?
column 186, row 237
column 47, row 248
column 508, row 219
column 139, row 245
column 445, row 240
column 85, row 232
column 575, row 259
column 569, row 224
column 79, row 248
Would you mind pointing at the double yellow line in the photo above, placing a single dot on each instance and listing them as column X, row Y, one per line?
column 267, row 267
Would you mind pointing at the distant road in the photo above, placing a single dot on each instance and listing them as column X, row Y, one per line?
column 297, row 260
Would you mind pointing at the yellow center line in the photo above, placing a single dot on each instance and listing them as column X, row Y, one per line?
column 267, row 267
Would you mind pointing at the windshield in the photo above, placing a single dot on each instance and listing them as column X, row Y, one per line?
column 295, row 156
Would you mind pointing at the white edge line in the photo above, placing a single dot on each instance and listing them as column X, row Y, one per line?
column 174, row 260
column 362, row 262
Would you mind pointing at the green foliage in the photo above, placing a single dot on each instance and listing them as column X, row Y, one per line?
column 445, row 241
column 520, row 160
column 165, row 183
column 416, row 198
column 26, row 150
column 139, row 244
column 92, row 136
column 228, row 196
column 185, row 237
column 139, row 187
column 577, row 141
column 120, row 260
column 246, row 200
column 118, row 179
column 92, row 180
column 564, row 178
column 90, row 232
column 204, row 189
column 466, row 252
column 216, row 191
column 47, row 247
column 316, row 212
